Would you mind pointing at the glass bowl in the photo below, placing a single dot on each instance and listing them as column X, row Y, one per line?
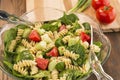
column 46, row 14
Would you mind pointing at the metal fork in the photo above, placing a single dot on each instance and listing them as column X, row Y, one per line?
column 13, row 19
column 95, row 63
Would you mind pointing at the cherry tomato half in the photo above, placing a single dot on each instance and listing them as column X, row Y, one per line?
column 106, row 14
column 98, row 3
column 42, row 63
column 53, row 52
column 34, row 36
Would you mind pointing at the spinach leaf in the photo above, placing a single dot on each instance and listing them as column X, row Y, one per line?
column 59, row 42
column 76, row 26
column 68, row 19
column 24, row 55
column 8, row 37
column 78, row 49
column 86, row 25
column 60, row 66
column 22, row 26
column 50, row 27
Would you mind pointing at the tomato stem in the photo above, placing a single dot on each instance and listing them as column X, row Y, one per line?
column 106, row 8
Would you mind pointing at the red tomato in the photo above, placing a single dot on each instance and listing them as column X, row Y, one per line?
column 53, row 52
column 62, row 27
column 34, row 36
column 106, row 14
column 42, row 63
column 85, row 37
column 98, row 3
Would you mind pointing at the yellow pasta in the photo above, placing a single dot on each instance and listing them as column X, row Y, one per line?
column 54, row 74
column 51, row 35
column 19, row 34
column 26, row 63
column 62, row 33
column 69, row 66
column 66, row 38
column 12, row 45
column 34, row 70
column 72, row 55
column 78, row 31
column 26, row 43
column 37, row 25
column 32, row 43
column 20, row 69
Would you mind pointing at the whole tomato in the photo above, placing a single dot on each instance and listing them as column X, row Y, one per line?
column 98, row 3
column 106, row 14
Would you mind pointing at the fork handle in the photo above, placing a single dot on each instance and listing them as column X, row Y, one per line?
column 99, row 72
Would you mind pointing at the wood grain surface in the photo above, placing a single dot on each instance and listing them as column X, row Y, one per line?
column 112, row 66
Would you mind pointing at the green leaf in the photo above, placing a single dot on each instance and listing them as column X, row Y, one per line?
column 68, row 19
column 50, row 27
column 8, row 64
column 78, row 49
column 59, row 42
column 41, row 74
column 60, row 66
column 22, row 26
column 8, row 37
column 24, row 55
column 86, row 25
column 76, row 26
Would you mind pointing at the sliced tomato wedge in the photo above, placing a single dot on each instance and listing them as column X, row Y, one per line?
column 53, row 52
column 34, row 36
column 85, row 37
column 42, row 63
column 62, row 27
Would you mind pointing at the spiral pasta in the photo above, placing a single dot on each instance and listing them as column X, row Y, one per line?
column 66, row 38
column 78, row 31
column 50, row 34
column 26, row 63
column 72, row 55
column 12, row 45
column 34, row 70
column 62, row 33
column 54, row 74
column 20, row 69
column 37, row 25
column 69, row 66
column 19, row 34
column 64, row 59
column 32, row 43
column 26, row 43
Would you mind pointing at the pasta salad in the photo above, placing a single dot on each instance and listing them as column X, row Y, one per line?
column 53, row 50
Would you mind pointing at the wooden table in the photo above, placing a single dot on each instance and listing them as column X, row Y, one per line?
column 112, row 66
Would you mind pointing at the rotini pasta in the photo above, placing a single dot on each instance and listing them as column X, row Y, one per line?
column 32, row 43
column 51, row 35
column 20, row 69
column 62, row 33
column 26, row 63
column 66, row 38
column 34, row 70
column 78, row 31
column 19, row 34
column 26, row 43
column 69, row 66
column 72, row 55
column 12, row 45
column 64, row 59
column 38, row 25
column 54, row 75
